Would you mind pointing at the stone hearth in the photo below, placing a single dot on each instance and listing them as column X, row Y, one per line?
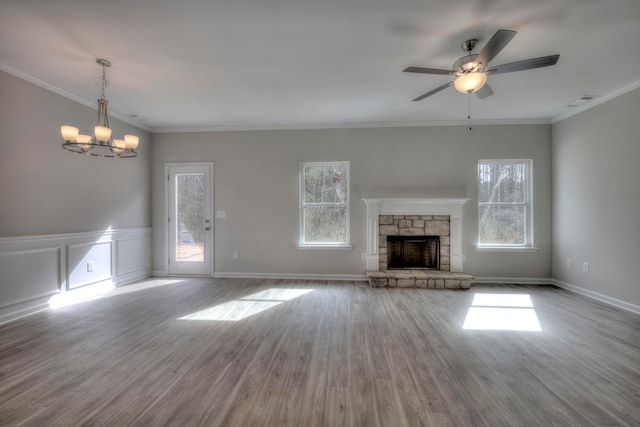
column 419, row 279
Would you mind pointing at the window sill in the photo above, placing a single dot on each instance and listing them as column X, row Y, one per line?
column 506, row 249
column 323, row 247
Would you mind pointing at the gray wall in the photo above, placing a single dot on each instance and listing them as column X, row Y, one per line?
column 256, row 182
column 596, row 199
column 47, row 190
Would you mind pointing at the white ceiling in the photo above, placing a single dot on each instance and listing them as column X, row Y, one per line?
column 255, row 64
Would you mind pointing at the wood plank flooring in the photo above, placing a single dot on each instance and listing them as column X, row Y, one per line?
column 342, row 354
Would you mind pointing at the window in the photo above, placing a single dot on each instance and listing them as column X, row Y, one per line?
column 504, row 204
column 324, row 204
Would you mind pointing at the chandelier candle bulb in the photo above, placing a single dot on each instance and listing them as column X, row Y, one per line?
column 102, row 133
column 131, row 141
column 69, row 133
column 83, row 139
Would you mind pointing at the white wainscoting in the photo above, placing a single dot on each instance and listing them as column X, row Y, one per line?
column 81, row 255
column 34, row 268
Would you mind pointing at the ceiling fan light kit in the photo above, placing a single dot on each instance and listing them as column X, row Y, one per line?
column 100, row 144
column 470, row 82
column 472, row 70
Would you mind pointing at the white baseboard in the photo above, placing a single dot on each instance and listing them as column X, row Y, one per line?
column 513, row 280
column 18, row 311
column 134, row 276
column 598, row 296
column 341, row 277
column 294, row 276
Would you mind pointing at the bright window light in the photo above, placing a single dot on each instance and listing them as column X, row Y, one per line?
column 502, row 319
column 502, row 300
column 231, row 311
column 105, row 289
column 276, row 294
column 502, row 312
column 242, row 308
column 79, row 295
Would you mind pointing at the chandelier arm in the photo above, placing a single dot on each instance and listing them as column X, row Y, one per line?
column 103, row 117
column 87, row 149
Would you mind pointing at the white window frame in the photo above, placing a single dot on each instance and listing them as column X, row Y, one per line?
column 528, row 244
column 325, row 245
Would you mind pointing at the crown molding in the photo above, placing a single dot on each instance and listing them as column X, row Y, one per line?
column 359, row 125
column 575, row 110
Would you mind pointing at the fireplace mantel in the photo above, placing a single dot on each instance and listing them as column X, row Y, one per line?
column 414, row 206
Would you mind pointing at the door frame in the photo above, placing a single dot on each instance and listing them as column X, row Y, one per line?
column 167, row 207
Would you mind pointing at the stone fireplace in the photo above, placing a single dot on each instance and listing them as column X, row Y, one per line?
column 424, row 217
column 416, row 221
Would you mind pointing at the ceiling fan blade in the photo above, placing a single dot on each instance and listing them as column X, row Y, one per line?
column 427, row 70
column 484, row 92
column 493, row 47
column 526, row 64
column 436, row 90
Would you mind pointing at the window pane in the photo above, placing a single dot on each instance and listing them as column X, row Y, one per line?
column 325, row 224
column 325, row 184
column 502, row 182
column 190, row 213
column 502, row 225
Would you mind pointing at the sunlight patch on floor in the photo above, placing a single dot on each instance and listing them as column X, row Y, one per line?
column 242, row 308
column 502, row 312
column 104, row 289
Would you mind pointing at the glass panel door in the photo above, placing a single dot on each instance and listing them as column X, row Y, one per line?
column 190, row 227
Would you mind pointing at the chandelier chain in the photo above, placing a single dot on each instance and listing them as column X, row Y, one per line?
column 105, row 82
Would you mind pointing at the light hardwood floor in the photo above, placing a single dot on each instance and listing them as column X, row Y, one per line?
column 341, row 354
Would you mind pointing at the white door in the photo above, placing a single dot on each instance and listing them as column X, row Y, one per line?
column 189, row 221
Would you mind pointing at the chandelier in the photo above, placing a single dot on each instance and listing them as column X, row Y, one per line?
column 100, row 144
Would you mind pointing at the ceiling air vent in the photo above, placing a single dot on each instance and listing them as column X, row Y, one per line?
column 582, row 100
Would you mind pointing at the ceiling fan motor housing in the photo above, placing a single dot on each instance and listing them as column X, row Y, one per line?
column 466, row 64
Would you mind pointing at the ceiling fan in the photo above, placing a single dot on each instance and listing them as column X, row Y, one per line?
column 472, row 69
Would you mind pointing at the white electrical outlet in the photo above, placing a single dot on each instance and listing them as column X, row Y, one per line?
column 90, row 267
column 221, row 214
column 568, row 262
column 236, row 255
column 364, row 256
column 585, row 267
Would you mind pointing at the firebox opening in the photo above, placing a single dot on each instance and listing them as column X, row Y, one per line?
column 413, row 252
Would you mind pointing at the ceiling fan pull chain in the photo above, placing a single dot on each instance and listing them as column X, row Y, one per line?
column 469, row 109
